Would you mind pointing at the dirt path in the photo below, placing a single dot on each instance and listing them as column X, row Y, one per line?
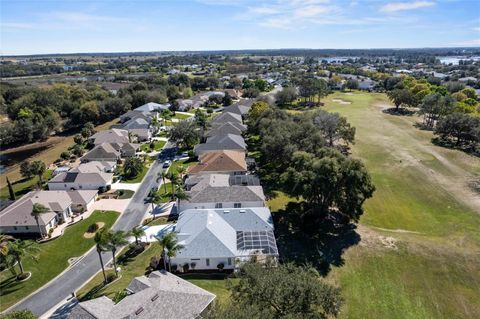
column 454, row 179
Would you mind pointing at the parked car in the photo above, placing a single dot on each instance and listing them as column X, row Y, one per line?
column 167, row 164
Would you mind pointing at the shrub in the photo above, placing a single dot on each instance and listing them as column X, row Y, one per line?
column 21, row 314
column 101, row 189
column 220, row 266
column 109, row 187
column 174, row 268
column 186, row 267
column 92, row 228
column 119, row 295
column 193, row 265
column 111, row 277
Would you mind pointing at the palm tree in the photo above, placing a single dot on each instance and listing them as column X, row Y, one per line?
column 181, row 195
column 155, row 198
column 181, row 169
column 4, row 240
column 116, row 239
column 163, row 175
column 100, row 242
column 173, row 177
column 137, row 232
column 170, row 247
column 37, row 210
column 19, row 249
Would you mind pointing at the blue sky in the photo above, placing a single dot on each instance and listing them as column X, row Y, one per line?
column 66, row 26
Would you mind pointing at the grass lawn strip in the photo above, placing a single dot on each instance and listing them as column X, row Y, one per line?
column 53, row 259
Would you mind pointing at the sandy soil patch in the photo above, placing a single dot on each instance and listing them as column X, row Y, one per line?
column 91, row 235
column 343, row 102
column 371, row 239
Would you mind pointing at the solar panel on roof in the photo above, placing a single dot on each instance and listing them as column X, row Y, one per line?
column 70, row 178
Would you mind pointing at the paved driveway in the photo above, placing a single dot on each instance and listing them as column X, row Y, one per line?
column 60, row 288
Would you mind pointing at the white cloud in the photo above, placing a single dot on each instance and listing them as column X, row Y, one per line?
column 16, row 25
column 400, row 6
column 469, row 43
column 477, row 29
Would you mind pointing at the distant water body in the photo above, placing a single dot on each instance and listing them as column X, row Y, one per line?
column 456, row 59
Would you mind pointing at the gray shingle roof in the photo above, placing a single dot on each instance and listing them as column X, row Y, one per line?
column 227, row 117
column 237, row 108
column 110, row 136
column 209, row 233
column 226, row 142
column 151, row 106
column 224, row 129
column 162, row 295
column 103, row 151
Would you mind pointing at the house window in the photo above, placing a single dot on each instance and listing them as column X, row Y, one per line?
column 237, row 205
column 26, row 227
column 229, row 261
column 207, row 261
column 218, row 205
column 14, row 227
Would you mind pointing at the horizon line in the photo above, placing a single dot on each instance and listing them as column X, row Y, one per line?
column 232, row 50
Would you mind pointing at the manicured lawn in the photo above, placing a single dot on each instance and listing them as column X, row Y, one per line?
column 124, row 193
column 279, row 202
column 138, row 178
column 52, row 260
column 180, row 116
column 158, row 146
column 433, row 271
column 185, row 162
column 23, row 186
column 157, row 221
column 214, row 283
column 130, row 268
column 166, row 195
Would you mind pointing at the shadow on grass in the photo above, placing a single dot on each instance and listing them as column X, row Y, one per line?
column 322, row 250
column 471, row 149
column 400, row 111
column 9, row 285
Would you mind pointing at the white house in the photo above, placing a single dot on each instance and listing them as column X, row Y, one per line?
column 212, row 238
column 75, row 180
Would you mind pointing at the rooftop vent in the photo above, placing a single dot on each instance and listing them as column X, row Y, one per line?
column 139, row 311
column 243, row 211
column 226, row 211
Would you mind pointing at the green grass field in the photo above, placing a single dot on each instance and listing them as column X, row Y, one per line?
column 23, row 186
column 158, row 145
column 422, row 206
column 130, row 268
column 52, row 259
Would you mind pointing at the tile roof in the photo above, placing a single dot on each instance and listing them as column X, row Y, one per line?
column 220, row 161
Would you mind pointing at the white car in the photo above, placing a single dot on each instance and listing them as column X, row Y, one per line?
column 167, row 164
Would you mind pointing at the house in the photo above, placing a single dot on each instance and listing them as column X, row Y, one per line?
column 152, row 107
column 17, row 218
column 217, row 143
column 61, row 169
column 234, row 94
column 100, row 153
column 226, row 117
column 139, row 128
column 74, row 180
column 110, row 136
column 160, row 295
column 135, row 114
column 224, row 129
column 241, row 107
column 224, row 237
column 96, row 166
column 208, row 191
column 114, row 87
column 224, row 161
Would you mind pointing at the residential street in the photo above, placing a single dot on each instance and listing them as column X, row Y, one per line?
column 61, row 287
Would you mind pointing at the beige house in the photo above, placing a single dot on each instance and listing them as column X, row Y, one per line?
column 17, row 218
